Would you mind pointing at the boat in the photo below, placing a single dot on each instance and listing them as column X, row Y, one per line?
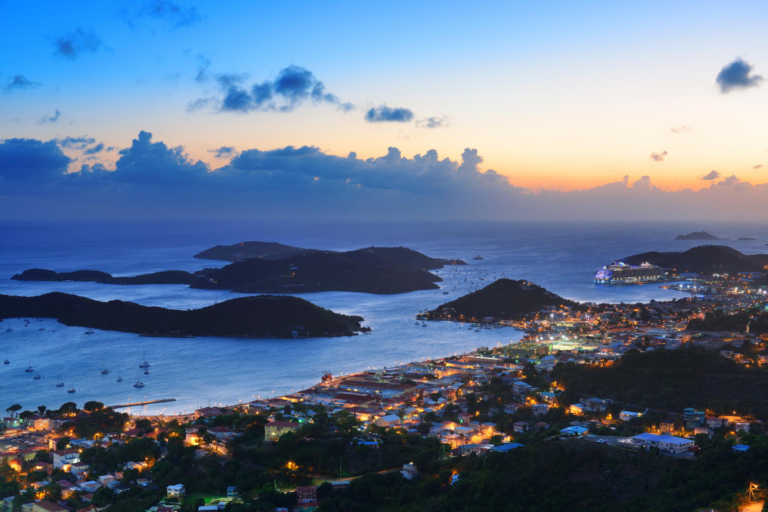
column 619, row 272
column 104, row 370
column 9, row 330
column 59, row 384
column 146, row 372
column 445, row 293
column 29, row 367
column 138, row 384
column 478, row 257
column 38, row 377
column 6, row 362
column 71, row 390
column 144, row 364
column 119, row 379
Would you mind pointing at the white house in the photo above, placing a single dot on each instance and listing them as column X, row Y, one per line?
column 390, row 420
column 175, row 491
column 665, row 443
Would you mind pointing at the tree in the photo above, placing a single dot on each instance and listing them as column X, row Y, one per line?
column 41, row 409
column 62, row 443
column 93, row 406
column 12, row 410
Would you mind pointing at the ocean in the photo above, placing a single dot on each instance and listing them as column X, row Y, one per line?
column 561, row 257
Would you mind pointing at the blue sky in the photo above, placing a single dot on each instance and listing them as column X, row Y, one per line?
column 555, row 96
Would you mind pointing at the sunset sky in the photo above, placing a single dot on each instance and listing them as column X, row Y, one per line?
column 554, row 96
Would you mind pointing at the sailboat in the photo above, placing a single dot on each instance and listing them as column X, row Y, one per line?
column 119, row 378
column 60, row 384
column 29, row 367
column 104, row 370
column 89, row 331
column 138, row 384
column 38, row 377
column 144, row 364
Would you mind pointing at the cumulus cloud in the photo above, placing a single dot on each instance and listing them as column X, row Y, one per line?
column 31, row 160
column 73, row 44
column 681, row 128
column 385, row 114
column 98, row 148
column 293, row 86
column 19, row 83
column 433, row 122
column 737, row 75
column 50, row 119
column 658, row 157
column 223, row 152
column 711, row 175
column 174, row 14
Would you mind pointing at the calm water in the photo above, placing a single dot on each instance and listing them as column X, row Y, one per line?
column 199, row 371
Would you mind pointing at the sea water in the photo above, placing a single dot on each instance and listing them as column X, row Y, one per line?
column 561, row 257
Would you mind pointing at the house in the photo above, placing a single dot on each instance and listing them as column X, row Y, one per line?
column 232, row 492
column 506, row 447
column 694, row 418
column 46, row 506
column 541, row 426
column 90, row 486
column 175, row 491
column 390, row 420
column 274, row 429
column 539, row 409
column 667, row 426
column 207, row 412
column 520, row 426
column 630, row 414
column 409, row 471
column 511, row 408
column 740, row 448
column 78, row 468
column 574, row 431
column 63, row 458
column 665, row 443
column 307, row 498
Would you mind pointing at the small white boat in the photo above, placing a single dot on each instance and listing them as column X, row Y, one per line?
column 138, row 384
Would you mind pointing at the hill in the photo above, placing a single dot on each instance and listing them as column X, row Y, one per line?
column 245, row 250
column 95, row 276
column 705, row 259
column 386, row 271
column 504, row 299
column 262, row 316
column 698, row 235
column 673, row 380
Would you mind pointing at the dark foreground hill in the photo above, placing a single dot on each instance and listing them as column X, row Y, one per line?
column 505, row 299
column 673, row 380
column 262, row 316
column 95, row 276
column 705, row 259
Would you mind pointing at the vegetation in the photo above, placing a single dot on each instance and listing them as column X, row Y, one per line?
column 165, row 277
column 269, row 316
column 736, row 322
column 245, row 250
column 705, row 259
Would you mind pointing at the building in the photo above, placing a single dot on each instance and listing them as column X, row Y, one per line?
column 274, row 429
column 665, row 443
column 390, row 420
column 630, row 414
column 46, row 506
column 175, row 491
column 63, row 458
column 527, row 350
column 409, row 471
column 307, row 498
column 574, row 431
column 694, row 418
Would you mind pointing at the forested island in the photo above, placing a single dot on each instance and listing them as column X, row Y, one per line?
column 246, row 250
column 504, row 299
column 698, row 235
column 377, row 270
column 262, row 316
column 704, row 259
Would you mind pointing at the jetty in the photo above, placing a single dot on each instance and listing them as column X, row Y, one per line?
column 146, row 402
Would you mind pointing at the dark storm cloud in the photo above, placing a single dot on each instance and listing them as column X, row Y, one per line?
column 29, row 159
column 19, row 83
column 223, row 152
column 75, row 142
column 176, row 15
column 50, row 119
column 292, row 87
column 737, row 75
column 73, row 44
column 385, row 114
column 710, row 176
column 658, row 157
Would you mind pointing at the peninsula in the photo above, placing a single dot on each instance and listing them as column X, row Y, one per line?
column 259, row 317
column 96, row 276
column 504, row 299
column 705, row 259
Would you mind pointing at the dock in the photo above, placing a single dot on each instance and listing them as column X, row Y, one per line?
column 146, row 402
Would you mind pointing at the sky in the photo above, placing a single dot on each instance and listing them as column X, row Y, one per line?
column 177, row 108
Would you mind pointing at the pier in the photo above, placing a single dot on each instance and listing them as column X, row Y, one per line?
column 146, row 402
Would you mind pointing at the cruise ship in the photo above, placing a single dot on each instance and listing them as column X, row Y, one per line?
column 619, row 272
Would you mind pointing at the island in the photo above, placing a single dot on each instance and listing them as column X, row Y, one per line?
column 264, row 316
column 746, row 238
column 698, row 235
column 704, row 259
column 504, row 299
column 246, row 250
column 96, row 276
column 377, row 270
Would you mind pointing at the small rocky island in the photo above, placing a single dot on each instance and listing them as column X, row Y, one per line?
column 504, row 299
column 698, row 235
column 705, row 259
column 264, row 316
column 377, row 270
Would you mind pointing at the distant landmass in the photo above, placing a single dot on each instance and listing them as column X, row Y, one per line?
column 95, row 276
column 705, row 259
column 746, row 238
column 262, row 316
column 504, row 299
column 698, row 235
column 378, row 270
column 246, row 250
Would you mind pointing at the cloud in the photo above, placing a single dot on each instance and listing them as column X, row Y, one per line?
column 223, row 152
column 98, row 148
column 385, row 114
column 758, row 166
column 19, row 83
column 31, row 160
column 681, row 128
column 154, row 162
column 433, row 122
column 174, row 14
column 293, row 86
column 75, row 142
column 737, row 75
column 711, row 175
column 203, row 65
column 73, row 44
column 658, row 157
column 50, row 119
